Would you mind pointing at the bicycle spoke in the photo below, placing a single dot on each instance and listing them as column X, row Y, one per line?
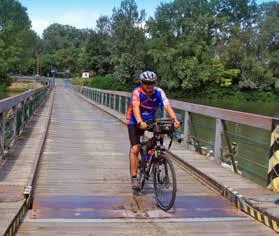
column 165, row 184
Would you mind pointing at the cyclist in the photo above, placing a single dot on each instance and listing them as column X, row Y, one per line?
column 145, row 101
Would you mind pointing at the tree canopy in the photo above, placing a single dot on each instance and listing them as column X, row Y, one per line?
column 193, row 45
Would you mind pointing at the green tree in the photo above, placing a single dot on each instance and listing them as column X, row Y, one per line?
column 128, row 39
column 64, row 44
column 182, row 31
column 97, row 52
column 15, row 25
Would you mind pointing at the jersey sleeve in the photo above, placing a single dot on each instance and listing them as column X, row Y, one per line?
column 135, row 96
column 164, row 99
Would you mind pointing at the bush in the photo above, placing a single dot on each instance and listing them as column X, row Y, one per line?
column 107, row 82
column 78, row 81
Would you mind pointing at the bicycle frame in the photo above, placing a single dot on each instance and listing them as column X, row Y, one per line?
column 157, row 149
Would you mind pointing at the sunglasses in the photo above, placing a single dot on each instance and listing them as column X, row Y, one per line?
column 148, row 83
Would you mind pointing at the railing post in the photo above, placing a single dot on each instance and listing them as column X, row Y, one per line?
column 109, row 100
column 2, row 136
column 218, row 141
column 21, row 119
column 27, row 110
column 119, row 103
column 114, row 101
column 186, row 128
column 14, row 125
column 102, row 98
column 126, row 104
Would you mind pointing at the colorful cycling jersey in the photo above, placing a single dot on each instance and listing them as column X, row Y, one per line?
column 148, row 105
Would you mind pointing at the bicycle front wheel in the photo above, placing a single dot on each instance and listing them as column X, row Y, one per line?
column 164, row 180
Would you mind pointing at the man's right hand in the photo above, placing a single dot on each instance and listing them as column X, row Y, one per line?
column 142, row 125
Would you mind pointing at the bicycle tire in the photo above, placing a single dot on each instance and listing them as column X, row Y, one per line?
column 167, row 163
column 141, row 170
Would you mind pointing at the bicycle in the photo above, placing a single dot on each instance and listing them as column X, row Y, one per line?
column 154, row 161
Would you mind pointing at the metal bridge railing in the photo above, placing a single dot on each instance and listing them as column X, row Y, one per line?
column 237, row 139
column 15, row 112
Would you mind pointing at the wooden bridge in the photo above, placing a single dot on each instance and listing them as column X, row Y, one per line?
column 65, row 171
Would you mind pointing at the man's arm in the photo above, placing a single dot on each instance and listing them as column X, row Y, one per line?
column 172, row 115
column 169, row 109
column 136, row 111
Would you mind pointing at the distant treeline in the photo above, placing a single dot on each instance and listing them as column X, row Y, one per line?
column 195, row 46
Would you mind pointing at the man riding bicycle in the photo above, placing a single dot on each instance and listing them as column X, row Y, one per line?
column 145, row 101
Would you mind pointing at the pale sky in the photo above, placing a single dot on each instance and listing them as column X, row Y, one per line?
column 78, row 13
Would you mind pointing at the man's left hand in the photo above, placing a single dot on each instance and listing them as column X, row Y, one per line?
column 176, row 123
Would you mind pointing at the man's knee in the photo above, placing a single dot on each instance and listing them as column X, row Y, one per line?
column 135, row 149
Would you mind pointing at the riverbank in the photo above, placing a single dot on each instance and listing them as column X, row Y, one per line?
column 230, row 94
column 22, row 86
column 17, row 87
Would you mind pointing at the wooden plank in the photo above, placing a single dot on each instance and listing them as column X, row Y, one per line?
column 140, row 228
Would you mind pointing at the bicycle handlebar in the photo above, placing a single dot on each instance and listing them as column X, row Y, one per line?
column 152, row 123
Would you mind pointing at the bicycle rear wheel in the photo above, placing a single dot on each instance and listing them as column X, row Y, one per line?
column 164, row 180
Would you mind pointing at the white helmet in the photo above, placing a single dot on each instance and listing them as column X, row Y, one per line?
column 148, row 76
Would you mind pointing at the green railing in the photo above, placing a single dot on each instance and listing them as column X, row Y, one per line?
column 237, row 140
column 15, row 112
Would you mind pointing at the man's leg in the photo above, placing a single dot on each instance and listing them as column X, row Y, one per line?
column 134, row 136
column 134, row 152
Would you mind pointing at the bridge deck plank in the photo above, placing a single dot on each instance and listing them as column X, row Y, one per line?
column 175, row 229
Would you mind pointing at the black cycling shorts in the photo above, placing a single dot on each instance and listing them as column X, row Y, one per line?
column 134, row 134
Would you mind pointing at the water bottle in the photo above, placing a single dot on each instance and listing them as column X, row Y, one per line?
column 149, row 155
